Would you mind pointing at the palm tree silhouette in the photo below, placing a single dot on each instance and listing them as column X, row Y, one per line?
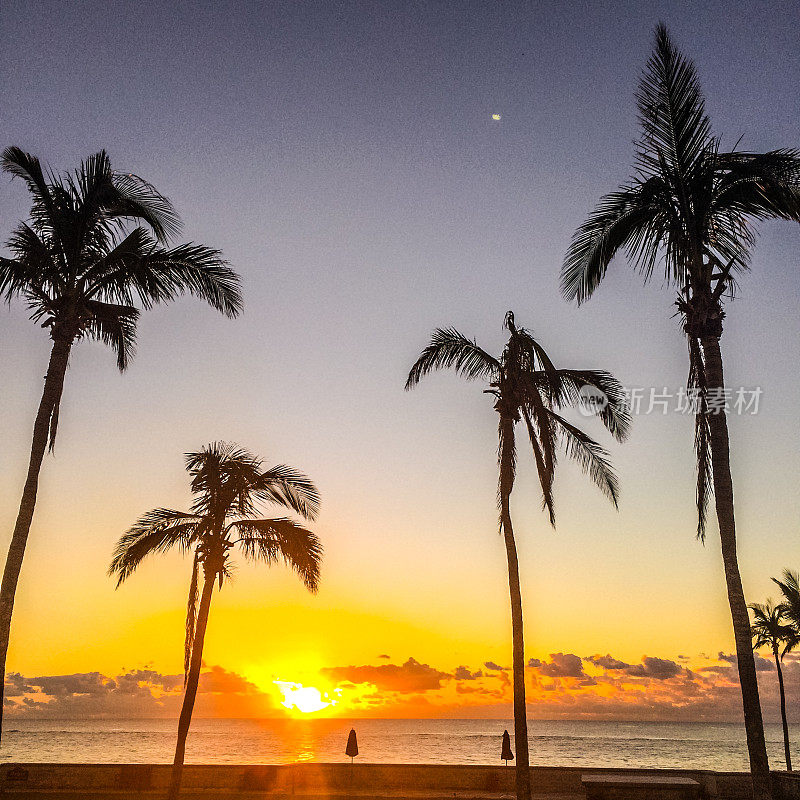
column 693, row 207
column 526, row 387
column 80, row 267
column 790, row 589
column 770, row 629
column 229, row 484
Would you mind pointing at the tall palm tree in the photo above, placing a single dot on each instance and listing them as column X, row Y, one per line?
column 526, row 387
column 80, row 266
column 769, row 629
column 692, row 207
column 229, row 484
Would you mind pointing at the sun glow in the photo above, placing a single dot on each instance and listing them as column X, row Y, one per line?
column 305, row 699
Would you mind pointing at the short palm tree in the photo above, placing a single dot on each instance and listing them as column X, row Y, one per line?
column 770, row 629
column 81, row 268
column 527, row 388
column 693, row 207
column 229, row 484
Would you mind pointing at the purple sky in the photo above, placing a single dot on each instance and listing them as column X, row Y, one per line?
column 343, row 157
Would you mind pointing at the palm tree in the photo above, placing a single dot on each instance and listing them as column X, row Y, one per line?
column 692, row 207
column 526, row 387
column 80, row 267
column 769, row 629
column 228, row 484
column 790, row 589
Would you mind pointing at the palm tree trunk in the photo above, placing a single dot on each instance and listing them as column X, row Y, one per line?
column 523, row 771
column 783, row 714
column 192, row 680
column 723, row 497
column 51, row 395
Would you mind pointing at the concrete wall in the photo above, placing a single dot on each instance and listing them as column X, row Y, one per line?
column 325, row 780
column 786, row 785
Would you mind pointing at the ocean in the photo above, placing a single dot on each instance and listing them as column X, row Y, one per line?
column 426, row 741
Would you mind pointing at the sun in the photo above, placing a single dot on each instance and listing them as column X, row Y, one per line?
column 305, row 699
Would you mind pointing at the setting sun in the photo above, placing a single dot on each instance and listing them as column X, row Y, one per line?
column 305, row 699
column 316, row 319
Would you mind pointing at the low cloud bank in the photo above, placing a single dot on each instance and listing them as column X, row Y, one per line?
column 560, row 686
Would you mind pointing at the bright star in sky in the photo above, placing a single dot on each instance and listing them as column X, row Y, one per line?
column 496, row 117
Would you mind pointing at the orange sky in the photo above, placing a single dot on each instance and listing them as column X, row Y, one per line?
column 366, row 199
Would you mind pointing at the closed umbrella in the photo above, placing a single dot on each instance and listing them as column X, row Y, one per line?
column 506, row 754
column 352, row 745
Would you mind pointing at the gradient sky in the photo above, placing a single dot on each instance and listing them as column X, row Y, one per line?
column 343, row 157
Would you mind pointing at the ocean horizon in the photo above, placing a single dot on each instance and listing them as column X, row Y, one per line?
column 685, row 745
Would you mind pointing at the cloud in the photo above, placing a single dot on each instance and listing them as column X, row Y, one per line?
column 87, row 683
column 409, row 677
column 607, row 662
column 221, row 681
column 561, row 665
column 136, row 693
column 650, row 666
column 464, row 674
column 384, row 656
column 658, row 668
column 762, row 664
column 561, row 686
column 16, row 685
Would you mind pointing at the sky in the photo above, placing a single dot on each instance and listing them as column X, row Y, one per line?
column 344, row 158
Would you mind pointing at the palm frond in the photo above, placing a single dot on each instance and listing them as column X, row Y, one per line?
column 34, row 272
column 631, row 218
column 790, row 589
column 506, row 460
column 224, row 477
column 191, row 616
column 524, row 355
column 758, row 185
column 790, row 585
column 16, row 278
column 566, row 390
column 592, row 457
column 535, row 398
column 104, row 200
column 273, row 540
column 449, row 349
column 545, row 470
column 52, row 426
column 155, row 532
column 158, row 275
column 91, row 190
column 698, row 393
column 114, row 325
column 290, row 488
column 28, row 168
column 201, row 463
column 675, row 128
column 105, row 275
column 138, row 199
